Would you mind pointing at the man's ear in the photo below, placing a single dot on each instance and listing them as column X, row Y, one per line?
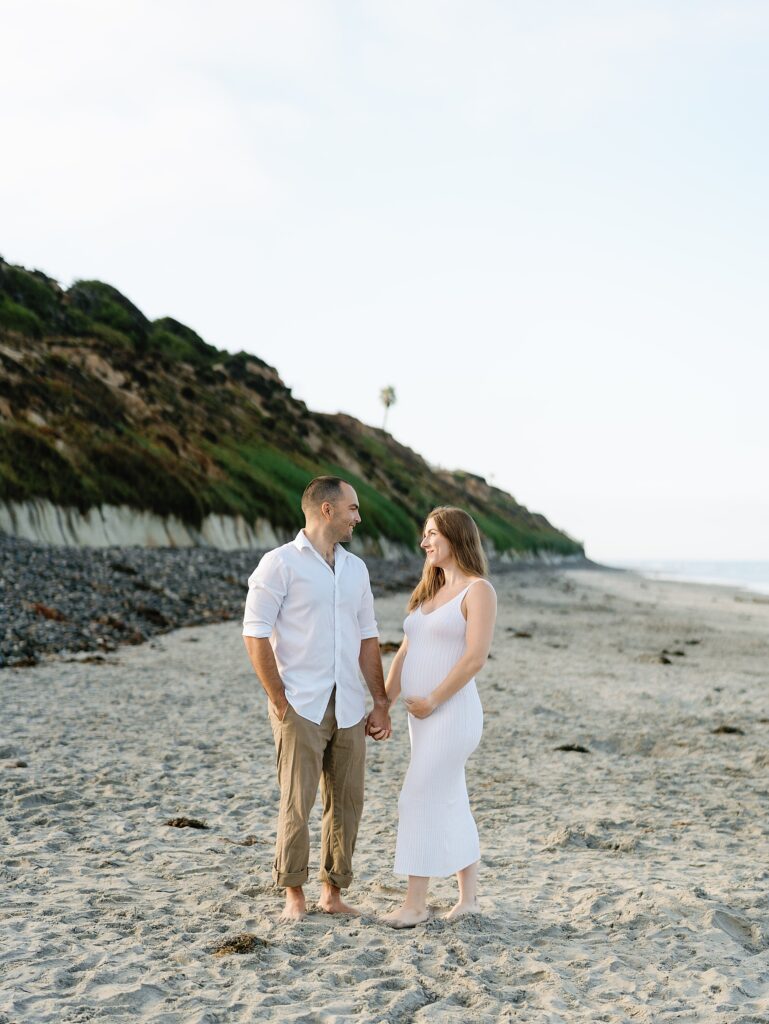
column 326, row 510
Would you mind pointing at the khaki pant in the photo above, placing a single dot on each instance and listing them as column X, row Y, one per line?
column 305, row 754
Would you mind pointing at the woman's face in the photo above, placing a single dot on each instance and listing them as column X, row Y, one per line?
column 435, row 546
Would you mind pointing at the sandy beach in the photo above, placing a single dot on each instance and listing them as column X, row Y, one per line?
column 629, row 882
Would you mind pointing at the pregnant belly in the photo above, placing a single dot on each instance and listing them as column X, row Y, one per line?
column 420, row 676
column 419, row 680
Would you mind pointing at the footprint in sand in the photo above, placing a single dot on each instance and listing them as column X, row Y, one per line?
column 389, row 889
column 737, row 928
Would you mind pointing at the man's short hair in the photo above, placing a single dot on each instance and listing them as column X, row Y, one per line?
column 322, row 488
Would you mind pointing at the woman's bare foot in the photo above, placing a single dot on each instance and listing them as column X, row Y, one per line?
column 405, row 917
column 295, row 907
column 331, row 902
column 460, row 909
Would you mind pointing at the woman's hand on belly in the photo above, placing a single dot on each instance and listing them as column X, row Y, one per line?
column 421, row 707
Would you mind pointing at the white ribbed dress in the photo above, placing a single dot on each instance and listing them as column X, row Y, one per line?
column 437, row 835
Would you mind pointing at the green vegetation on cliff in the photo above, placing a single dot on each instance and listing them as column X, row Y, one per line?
column 99, row 405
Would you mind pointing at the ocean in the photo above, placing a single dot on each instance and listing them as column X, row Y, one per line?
column 748, row 575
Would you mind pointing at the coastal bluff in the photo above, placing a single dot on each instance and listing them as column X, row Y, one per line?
column 118, row 430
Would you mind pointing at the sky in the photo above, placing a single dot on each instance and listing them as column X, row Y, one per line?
column 545, row 225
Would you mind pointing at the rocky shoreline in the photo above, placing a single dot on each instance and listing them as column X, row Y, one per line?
column 78, row 602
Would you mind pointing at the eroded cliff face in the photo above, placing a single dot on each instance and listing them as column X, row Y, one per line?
column 108, row 526
column 120, row 526
column 118, row 430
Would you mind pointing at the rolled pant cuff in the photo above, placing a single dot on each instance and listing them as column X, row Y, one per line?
column 289, row 878
column 340, row 881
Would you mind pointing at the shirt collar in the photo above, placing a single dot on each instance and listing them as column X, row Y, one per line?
column 302, row 541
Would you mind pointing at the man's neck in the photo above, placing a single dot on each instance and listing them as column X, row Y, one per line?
column 323, row 544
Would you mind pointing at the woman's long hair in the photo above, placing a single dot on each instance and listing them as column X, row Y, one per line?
column 460, row 531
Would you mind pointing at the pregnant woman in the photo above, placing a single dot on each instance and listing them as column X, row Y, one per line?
column 448, row 633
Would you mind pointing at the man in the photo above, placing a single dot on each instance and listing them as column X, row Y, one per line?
column 309, row 624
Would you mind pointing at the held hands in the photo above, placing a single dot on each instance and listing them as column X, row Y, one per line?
column 378, row 725
column 421, row 707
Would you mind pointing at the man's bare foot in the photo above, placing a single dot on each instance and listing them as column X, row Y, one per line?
column 460, row 909
column 405, row 917
column 331, row 902
column 295, row 907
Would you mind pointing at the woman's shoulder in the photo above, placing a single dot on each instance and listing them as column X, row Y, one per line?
column 480, row 579
column 480, row 594
column 480, row 600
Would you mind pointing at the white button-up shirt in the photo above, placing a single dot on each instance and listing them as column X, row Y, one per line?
column 315, row 617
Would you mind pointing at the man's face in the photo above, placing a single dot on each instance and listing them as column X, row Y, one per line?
column 345, row 515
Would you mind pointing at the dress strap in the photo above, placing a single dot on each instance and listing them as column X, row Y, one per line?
column 479, row 580
column 463, row 593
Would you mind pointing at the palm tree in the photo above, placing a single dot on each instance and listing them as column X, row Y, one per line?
column 387, row 397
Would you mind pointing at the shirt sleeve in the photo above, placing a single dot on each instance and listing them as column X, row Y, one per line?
column 267, row 588
column 366, row 619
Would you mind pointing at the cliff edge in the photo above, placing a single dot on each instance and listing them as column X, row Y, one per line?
column 115, row 429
